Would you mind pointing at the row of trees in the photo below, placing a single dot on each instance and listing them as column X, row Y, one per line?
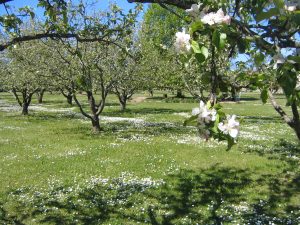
column 139, row 56
column 217, row 33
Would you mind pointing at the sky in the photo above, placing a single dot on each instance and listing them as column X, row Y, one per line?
column 101, row 4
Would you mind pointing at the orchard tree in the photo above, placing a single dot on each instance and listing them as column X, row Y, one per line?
column 156, row 37
column 96, row 73
column 128, row 71
column 61, row 21
column 20, row 74
column 58, row 62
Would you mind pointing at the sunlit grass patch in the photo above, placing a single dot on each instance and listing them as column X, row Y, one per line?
column 145, row 167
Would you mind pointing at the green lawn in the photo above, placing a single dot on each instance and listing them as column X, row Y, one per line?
column 145, row 167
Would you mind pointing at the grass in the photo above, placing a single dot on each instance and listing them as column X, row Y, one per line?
column 146, row 168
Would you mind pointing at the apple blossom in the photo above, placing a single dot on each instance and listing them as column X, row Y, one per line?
column 194, row 11
column 216, row 18
column 291, row 5
column 182, row 42
column 231, row 126
column 205, row 115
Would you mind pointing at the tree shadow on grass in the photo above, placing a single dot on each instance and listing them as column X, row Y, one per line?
column 262, row 119
column 283, row 150
column 216, row 195
column 132, row 112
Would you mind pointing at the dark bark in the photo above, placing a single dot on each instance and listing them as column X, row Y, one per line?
column 25, row 108
column 294, row 122
column 68, row 96
column 39, row 36
column 17, row 97
column 96, row 124
column 151, row 92
column 40, row 95
column 234, row 94
column 296, row 128
column 214, row 75
column 179, row 94
column 24, row 100
column 94, row 109
column 69, row 99
column 123, row 103
column 184, row 4
column 123, row 96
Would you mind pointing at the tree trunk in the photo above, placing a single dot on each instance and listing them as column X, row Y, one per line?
column 95, row 116
column 69, row 99
column 25, row 108
column 296, row 127
column 96, row 124
column 151, row 92
column 123, row 100
column 68, row 96
column 123, row 105
column 214, row 76
column 294, row 122
column 40, row 95
column 179, row 94
column 233, row 94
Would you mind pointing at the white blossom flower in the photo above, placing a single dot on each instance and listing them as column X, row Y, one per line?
column 195, row 111
column 227, row 19
column 208, row 19
column 291, row 5
column 215, row 18
column 182, row 42
column 231, row 126
column 194, row 11
column 206, row 115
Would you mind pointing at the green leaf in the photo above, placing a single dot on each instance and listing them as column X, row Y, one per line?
column 219, row 40
column 296, row 17
column 242, row 45
column 216, row 38
column 264, row 95
column 204, row 51
column 296, row 59
column 259, row 58
column 288, row 82
column 200, row 57
column 230, row 143
column 223, row 37
column 266, row 15
column 216, row 123
column 196, row 47
column 192, row 121
column 196, row 26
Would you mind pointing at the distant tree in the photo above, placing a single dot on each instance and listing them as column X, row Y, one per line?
column 20, row 73
column 156, row 38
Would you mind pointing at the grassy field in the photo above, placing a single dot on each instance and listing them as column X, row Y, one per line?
column 145, row 167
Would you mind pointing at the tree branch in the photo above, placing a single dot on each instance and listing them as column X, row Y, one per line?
column 184, row 4
column 80, row 108
column 171, row 10
column 279, row 110
column 54, row 35
column 16, row 96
